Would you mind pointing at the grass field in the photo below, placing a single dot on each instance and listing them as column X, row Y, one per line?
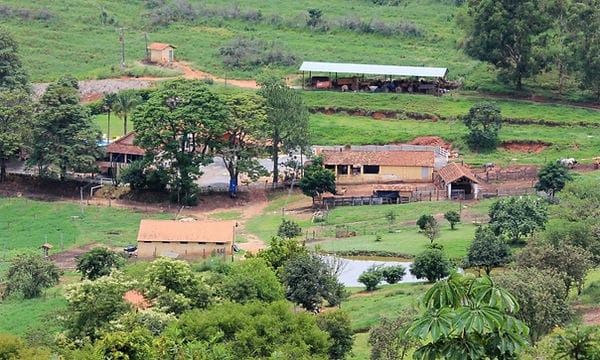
column 27, row 224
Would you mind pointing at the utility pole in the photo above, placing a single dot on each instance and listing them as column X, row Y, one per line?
column 147, row 51
column 122, row 40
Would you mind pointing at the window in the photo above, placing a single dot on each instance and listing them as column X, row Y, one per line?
column 356, row 170
column 183, row 242
column 342, row 169
column 371, row 169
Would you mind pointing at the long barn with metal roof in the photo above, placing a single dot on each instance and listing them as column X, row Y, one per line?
column 383, row 78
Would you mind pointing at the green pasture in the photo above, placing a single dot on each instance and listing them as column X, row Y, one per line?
column 346, row 129
column 26, row 224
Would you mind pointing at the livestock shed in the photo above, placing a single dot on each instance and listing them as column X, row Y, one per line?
column 185, row 239
column 161, row 52
column 375, row 78
column 356, row 167
column 119, row 154
column 459, row 181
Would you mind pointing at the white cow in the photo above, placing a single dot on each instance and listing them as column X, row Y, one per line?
column 570, row 162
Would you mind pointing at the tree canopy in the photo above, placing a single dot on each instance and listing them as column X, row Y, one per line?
column 317, row 180
column 30, row 274
column 484, row 122
column 507, row 34
column 12, row 74
column 517, row 217
column 432, row 264
column 177, row 126
column 16, row 110
column 99, row 261
column 487, row 251
column 552, row 178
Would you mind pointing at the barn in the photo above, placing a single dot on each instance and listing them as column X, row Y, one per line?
column 459, row 181
column 161, row 52
column 185, row 239
column 381, row 166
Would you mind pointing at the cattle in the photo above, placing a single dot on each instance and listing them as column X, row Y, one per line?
column 489, row 166
column 570, row 162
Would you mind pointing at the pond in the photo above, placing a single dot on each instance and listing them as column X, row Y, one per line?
column 352, row 268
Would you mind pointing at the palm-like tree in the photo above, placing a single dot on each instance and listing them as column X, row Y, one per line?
column 108, row 104
column 126, row 101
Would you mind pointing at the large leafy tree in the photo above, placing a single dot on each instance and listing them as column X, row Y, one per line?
column 468, row 318
column 337, row 324
column 317, row 180
column 552, row 178
column 517, row 217
column 124, row 104
column 571, row 263
column 12, row 74
column 542, row 296
column 98, row 262
column 487, row 251
column 507, row 34
column 287, row 119
column 309, row 280
column 29, row 274
column 585, row 44
column 432, row 264
column 245, row 138
column 16, row 111
column 252, row 280
column 64, row 133
column 178, row 125
column 281, row 251
column 484, row 122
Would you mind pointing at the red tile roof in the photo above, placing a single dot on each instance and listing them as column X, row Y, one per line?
column 192, row 231
column 159, row 46
column 454, row 171
column 124, row 145
column 382, row 158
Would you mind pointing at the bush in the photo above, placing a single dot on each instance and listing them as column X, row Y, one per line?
column 242, row 52
column 393, row 274
column 425, row 220
column 371, row 277
column 432, row 264
column 453, row 217
column 288, row 229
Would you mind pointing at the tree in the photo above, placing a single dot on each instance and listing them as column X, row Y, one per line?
column 585, row 44
column 339, row 327
column 552, row 178
column 371, row 277
column 108, row 104
column 252, row 280
column 12, row 73
column 578, row 343
column 16, row 111
column 389, row 339
column 99, row 261
column 29, row 274
column 487, row 251
column 131, row 345
column 309, row 281
column 468, row 318
column 432, row 230
column 175, row 286
column 64, row 133
column 288, row 229
column 484, row 122
column 393, row 274
column 317, row 180
column 287, row 119
column 571, row 263
column 314, row 18
column 92, row 305
column 507, row 34
column 281, row 251
column 391, row 217
column 245, row 138
column 517, row 217
column 431, row 264
column 425, row 220
column 542, row 296
column 453, row 218
column 178, row 125
column 125, row 102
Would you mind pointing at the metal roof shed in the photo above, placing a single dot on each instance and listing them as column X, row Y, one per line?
column 420, row 71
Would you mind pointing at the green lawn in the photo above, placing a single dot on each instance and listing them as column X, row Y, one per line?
column 27, row 224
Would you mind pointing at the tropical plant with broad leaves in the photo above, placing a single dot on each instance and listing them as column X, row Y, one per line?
column 468, row 318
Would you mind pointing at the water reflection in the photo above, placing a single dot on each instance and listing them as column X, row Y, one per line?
column 353, row 268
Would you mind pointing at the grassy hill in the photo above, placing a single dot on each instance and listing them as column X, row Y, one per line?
column 82, row 36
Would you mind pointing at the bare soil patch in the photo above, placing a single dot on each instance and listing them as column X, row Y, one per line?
column 67, row 260
column 431, row 141
column 535, row 147
column 590, row 315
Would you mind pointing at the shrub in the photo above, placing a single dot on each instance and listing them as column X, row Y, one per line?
column 289, row 229
column 425, row 220
column 453, row 217
column 432, row 264
column 393, row 274
column 371, row 277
